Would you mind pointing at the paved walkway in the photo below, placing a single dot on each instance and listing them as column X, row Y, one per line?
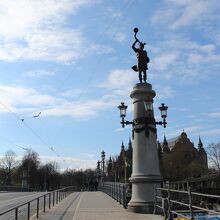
column 92, row 206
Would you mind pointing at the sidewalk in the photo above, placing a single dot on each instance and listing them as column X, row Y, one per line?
column 92, row 206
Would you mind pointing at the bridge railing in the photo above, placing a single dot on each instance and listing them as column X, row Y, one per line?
column 117, row 191
column 48, row 200
column 185, row 204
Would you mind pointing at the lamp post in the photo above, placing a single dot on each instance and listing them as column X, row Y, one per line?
column 103, row 164
column 125, row 169
column 145, row 169
column 98, row 170
column 115, row 171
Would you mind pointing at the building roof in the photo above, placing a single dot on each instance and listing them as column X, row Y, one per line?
column 172, row 142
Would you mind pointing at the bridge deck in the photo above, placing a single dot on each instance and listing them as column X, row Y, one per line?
column 91, row 206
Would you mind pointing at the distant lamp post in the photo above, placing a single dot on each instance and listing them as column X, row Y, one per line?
column 115, row 170
column 103, row 163
column 98, row 170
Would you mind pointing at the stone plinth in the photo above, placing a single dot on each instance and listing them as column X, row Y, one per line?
column 146, row 171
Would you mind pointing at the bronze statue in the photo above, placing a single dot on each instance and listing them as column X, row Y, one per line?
column 142, row 58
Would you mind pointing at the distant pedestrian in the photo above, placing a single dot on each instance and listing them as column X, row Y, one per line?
column 96, row 185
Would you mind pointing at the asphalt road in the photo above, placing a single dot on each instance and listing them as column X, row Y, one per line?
column 10, row 200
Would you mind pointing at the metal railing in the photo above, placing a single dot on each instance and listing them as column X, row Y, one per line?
column 117, row 191
column 49, row 199
column 185, row 204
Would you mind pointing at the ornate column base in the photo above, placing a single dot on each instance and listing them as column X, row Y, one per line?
column 142, row 200
column 141, row 207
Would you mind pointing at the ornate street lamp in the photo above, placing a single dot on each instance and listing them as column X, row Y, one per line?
column 103, row 163
column 122, row 108
column 148, row 106
column 103, row 155
column 98, row 165
column 163, row 110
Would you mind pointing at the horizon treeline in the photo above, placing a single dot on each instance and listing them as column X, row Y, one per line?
column 32, row 174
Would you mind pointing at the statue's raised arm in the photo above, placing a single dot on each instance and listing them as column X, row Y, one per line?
column 142, row 58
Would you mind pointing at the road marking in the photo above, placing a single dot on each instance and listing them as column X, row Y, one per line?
column 78, row 204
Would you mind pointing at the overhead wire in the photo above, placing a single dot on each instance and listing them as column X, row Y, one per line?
column 30, row 128
column 124, row 10
column 10, row 142
column 107, row 28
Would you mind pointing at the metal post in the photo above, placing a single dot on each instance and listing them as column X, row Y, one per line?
column 28, row 213
column 53, row 198
column 44, row 203
column 114, row 190
column 37, row 207
column 117, row 192
column 120, row 193
column 124, row 197
column 49, row 200
column 57, row 197
column 125, row 172
column 190, row 203
column 16, row 213
column 169, row 204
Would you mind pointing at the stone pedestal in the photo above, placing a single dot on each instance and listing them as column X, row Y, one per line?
column 146, row 171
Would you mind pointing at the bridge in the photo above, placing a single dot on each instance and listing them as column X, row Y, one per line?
column 75, row 205
column 110, row 202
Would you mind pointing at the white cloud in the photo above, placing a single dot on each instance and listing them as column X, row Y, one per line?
column 119, row 79
column 70, row 162
column 15, row 97
column 29, row 100
column 175, row 14
column 120, row 37
column 22, row 17
column 162, row 62
column 192, row 11
column 72, row 93
column 182, row 60
column 99, row 49
column 52, row 45
column 39, row 73
column 65, row 163
column 165, row 92
column 36, row 30
column 210, row 132
column 215, row 115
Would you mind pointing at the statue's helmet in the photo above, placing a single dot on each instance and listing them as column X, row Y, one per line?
column 141, row 45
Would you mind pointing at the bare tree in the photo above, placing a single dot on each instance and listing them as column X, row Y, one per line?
column 7, row 163
column 30, row 164
column 49, row 176
column 213, row 151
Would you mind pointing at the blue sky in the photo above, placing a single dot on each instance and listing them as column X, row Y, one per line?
column 72, row 61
